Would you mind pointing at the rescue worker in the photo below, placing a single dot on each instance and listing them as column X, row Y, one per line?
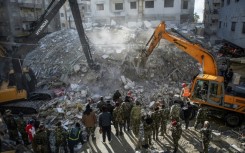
column 75, row 136
column 30, row 130
column 109, row 106
column 187, row 110
column 40, row 143
column 175, row 111
column 165, row 117
column 60, row 137
column 185, row 92
column 156, row 117
column 89, row 120
column 101, row 103
column 148, row 125
column 201, row 116
column 126, row 107
column 176, row 133
column 135, row 117
column 105, row 119
column 21, row 124
column 117, row 119
column 116, row 96
column 206, row 136
column 11, row 125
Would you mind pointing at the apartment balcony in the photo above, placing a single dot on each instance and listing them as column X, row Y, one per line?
column 30, row 5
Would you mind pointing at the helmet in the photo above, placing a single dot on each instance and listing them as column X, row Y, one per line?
column 184, row 85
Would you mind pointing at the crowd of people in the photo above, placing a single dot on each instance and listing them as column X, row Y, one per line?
column 125, row 114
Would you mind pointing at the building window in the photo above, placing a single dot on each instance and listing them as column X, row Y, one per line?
column 185, row 4
column 100, row 7
column 168, row 3
column 149, row 4
column 233, row 26
column 132, row 5
column 61, row 14
column 63, row 25
column 228, row 2
column 220, row 23
column 222, row 3
column 118, row 6
column 236, row 1
column 243, row 27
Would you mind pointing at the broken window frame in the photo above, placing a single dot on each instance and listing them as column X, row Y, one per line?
column 149, row 4
column 100, row 7
column 168, row 3
column 233, row 26
column 185, row 5
column 118, row 6
column 133, row 5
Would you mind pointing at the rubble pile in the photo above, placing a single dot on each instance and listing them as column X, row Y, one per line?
column 59, row 60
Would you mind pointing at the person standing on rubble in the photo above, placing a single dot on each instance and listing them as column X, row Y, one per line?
column 206, row 136
column 175, row 111
column 61, row 138
column 105, row 119
column 126, row 107
column 176, row 133
column 117, row 119
column 187, row 110
column 40, row 141
column 185, row 92
column 11, row 125
column 116, row 96
column 148, row 125
column 30, row 130
column 101, row 103
column 165, row 117
column 21, row 124
column 156, row 116
column 75, row 137
column 201, row 116
column 109, row 106
column 89, row 120
column 135, row 117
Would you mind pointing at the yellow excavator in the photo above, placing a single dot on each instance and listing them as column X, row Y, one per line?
column 206, row 88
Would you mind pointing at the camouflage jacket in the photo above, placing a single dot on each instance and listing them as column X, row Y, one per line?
column 206, row 134
column 175, row 111
column 147, row 127
column 10, row 122
column 202, row 113
column 176, row 131
column 60, row 135
column 21, row 124
column 126, row 108
column 165, row 114
column 40, row 138
column 157, row 117
column 135, row 113
column 117, row 115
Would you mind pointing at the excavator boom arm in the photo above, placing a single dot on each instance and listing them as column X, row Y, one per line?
column 194, row 50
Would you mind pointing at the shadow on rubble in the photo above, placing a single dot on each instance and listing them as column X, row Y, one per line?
column 120, row 144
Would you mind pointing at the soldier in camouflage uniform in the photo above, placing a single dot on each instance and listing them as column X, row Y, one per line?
column 21, row 124
column 201, row 116
column 175, row 112
column 206, row 136
column 165, row 116
column 157, row 119
column 117, row 119
column 148, row 125
column 126, row 107
column 40, row 142
column 11, row 125
column 61, row 138
column 135, row 117
column 176, row 133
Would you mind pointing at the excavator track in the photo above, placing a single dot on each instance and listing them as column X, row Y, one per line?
column 26, row 107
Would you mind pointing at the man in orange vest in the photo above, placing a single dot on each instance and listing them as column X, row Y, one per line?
column 185, row 92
